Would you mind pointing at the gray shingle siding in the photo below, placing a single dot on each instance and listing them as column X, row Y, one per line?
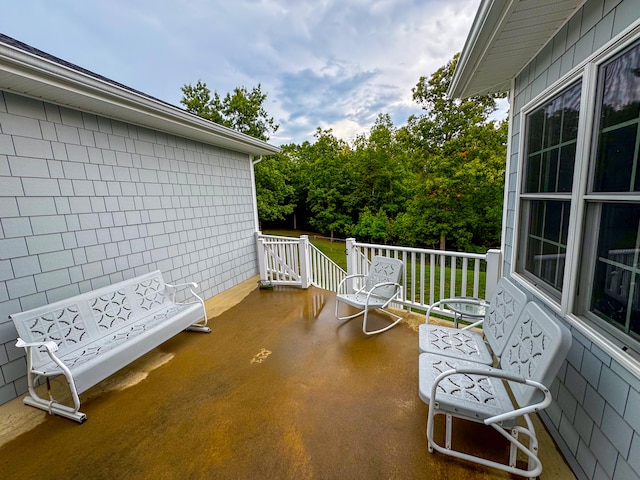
column 88, row 201
column 595, row 417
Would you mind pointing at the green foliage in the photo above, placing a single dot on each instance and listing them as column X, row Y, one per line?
column 241, row 110
column 275, row 193
column 435, row 182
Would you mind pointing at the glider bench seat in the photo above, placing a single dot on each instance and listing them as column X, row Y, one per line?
column 90, row 336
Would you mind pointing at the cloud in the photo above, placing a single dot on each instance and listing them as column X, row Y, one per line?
column 323, row 63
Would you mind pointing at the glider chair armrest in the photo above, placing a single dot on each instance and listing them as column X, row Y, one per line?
column 462, row 300
column 497, row 373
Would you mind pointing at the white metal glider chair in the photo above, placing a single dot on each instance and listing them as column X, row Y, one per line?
column 500, row 318
column 381, row 287
column 536, row 348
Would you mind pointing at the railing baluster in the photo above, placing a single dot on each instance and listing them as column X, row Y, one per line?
column 454, row 277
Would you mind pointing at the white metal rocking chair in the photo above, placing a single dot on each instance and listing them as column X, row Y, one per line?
column 381, row 287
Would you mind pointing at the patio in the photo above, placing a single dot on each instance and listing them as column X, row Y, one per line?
column 280, row 389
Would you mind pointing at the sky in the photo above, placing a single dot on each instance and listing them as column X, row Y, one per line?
column 333, row 64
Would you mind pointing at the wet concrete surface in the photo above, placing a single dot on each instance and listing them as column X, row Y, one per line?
column 279, row 390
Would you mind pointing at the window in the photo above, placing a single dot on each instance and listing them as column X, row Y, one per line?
column 550, row 149
column 602, row 149
column 613, row 198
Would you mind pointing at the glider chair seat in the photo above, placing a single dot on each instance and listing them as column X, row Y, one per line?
column 381, row 287
column 464, row 343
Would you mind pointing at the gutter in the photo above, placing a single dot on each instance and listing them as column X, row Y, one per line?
column 53, row 80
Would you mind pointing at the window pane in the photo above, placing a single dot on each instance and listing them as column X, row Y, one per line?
column 621, row 87
column 547, row 240
column 567, row 161
column 533, row 173
column 616, row 290
column 616, row 168
column 615, row 160
column 552, row 130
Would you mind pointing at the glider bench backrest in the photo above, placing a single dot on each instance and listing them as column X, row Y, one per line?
column 90, row 336
column 502, row 312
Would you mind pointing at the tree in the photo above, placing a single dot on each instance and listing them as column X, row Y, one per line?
column 330, row 184
column 458, row 165
column 274, row 190
column 242, row 111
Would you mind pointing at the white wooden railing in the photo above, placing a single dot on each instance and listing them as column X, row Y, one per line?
column 297, row 262
column 429, row 275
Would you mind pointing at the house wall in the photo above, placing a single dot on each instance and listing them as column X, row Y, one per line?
column 595, row 418
column 86, row 201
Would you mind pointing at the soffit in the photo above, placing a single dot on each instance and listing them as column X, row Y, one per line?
column 505, row 36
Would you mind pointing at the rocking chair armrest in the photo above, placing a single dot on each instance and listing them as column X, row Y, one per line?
column 51, row 346
column 349, row 277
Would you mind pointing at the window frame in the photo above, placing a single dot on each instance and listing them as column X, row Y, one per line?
column 570, row 304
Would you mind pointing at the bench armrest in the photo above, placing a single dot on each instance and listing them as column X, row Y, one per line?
column 172, row 289
column 50, row 345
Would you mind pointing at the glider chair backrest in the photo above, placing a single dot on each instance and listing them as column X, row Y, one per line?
column 502, row 313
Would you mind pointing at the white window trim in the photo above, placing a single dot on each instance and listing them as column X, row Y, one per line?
column 588, row 71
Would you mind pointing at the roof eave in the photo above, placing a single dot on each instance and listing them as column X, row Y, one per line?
column 477, row 72
column 27, row 74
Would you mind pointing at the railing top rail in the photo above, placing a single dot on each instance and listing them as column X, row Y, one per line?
column 279, row 237
column 480, row 256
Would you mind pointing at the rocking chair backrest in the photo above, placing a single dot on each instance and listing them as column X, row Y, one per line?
column 535, row 350
column 384, row 269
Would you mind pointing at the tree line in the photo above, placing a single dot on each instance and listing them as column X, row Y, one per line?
column 435, row 182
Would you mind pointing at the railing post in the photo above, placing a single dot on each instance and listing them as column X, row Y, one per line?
column 352, row 257
column 494, row 264
column 305, row 261
column 260, row 249
column 351, row 252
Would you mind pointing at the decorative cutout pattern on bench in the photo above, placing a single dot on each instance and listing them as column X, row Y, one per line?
column 84, row 355
column 502, row 310
column 462, row 342
column 111, row 310
column 150, row 294
column 65, row 327
column 522, row 355
column 473, row 388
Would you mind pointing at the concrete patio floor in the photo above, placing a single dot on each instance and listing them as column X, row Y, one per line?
column 279, row 390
